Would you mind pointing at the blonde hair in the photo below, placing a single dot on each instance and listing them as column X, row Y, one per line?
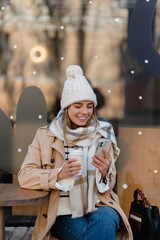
column 67, row 122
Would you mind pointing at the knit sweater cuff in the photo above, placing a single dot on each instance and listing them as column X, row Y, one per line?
column 66, row 184
column 103, row 185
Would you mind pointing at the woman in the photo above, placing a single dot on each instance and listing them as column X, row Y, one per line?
column 80, row 206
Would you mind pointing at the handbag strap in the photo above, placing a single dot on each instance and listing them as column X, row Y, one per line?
column 145, row 201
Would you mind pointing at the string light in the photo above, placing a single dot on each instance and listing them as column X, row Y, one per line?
column 139, row 133
column 15, row 46
column 125, row 186
column 38, row 54
column 116, row 20
column 11, row 117
column 61, row 27
column 62, row 58
column 95, row 57
column 34, row 72
column 40, row 116
column 132, row 71
column 140, row 97
column 109, row 91
column 155, row 171
column 90, row 2
column 19, row 150
column 146, row 61
column 2, row 8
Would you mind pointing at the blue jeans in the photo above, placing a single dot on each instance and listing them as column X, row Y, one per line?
column 101, row 224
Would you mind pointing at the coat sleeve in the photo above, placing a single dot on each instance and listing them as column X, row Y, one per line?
column 32, row 174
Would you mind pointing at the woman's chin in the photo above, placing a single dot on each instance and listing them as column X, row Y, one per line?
column 82, row 124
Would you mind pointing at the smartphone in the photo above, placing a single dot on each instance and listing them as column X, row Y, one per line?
column 103, row 143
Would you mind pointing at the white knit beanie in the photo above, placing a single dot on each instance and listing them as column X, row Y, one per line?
column 76, row 88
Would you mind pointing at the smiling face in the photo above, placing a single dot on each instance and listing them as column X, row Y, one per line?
column 80, row 113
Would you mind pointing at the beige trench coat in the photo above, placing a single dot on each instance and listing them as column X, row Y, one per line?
column 39, row 171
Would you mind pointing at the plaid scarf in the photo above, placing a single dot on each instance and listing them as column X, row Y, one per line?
column 83, row 193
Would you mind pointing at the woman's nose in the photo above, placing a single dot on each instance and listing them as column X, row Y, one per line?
column 84, row 110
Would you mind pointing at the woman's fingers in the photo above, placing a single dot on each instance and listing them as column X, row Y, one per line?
column 105, row 158
column 72, row 163
column 72, row 167
column 69, row 168
column 102, row 163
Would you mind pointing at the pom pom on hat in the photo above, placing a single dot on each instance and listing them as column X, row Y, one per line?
column 73, row 70
column 76, row 88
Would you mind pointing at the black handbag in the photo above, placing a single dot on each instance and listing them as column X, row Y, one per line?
column 144, row 218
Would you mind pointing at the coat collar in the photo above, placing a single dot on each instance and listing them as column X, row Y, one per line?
column 49, row 132
column 54, row 142
column 59, row 146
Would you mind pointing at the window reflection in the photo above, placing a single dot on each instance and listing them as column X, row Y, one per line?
column 40, row 38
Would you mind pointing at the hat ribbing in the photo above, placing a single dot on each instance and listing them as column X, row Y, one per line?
column 76, row 88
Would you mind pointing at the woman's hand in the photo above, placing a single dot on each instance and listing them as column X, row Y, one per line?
column 70, row 168
column 102, row 163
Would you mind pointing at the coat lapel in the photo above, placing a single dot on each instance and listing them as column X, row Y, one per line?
column 59, row 146
column 53, row 148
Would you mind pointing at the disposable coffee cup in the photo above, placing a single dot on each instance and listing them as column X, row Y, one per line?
column 79, row 155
